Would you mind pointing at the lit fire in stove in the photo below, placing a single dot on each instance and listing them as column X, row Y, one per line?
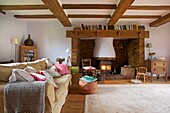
column 105, row 67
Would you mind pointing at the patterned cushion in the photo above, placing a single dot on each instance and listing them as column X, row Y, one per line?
column 20, row 75
column 30, row 69
column 38, row 77
column 49, row 78
column 49, row 63
column 53, row 72
column 62, row 69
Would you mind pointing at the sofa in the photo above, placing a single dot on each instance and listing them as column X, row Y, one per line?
column 54, row 98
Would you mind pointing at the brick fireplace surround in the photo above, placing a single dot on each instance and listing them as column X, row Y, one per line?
column 128, row 52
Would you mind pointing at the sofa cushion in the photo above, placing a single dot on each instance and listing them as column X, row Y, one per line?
column 53, row 72
column 62, row 69
column 49, row 63
column 20, row 75
column 30, row 69
column 38, row 77
column 6, row 71
column 42, row 63
column 35, row 65
column 49, row 78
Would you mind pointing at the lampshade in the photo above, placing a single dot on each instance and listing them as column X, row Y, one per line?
column 15, row 41
column 68, row 50
column 149, row 45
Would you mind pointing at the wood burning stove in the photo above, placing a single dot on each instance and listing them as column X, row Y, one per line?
column 106, row 66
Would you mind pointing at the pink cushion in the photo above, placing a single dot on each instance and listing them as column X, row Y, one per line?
column 38, row 77
column 62, row 69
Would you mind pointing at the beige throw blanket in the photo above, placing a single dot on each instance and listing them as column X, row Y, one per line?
column 24, row 97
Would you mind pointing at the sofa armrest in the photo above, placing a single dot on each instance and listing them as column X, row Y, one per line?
column 50, row 92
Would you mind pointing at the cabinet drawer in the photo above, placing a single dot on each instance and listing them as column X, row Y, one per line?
column 159, row 70
column 159, row 64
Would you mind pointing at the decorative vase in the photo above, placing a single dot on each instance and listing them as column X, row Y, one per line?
column 28, row 41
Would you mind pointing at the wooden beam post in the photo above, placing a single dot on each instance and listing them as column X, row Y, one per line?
column 122, row 7
column 160, row 21
column 58, row 12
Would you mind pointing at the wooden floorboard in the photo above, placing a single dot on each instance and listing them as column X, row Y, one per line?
column 75, row 101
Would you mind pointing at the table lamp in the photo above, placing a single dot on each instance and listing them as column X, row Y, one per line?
column 148, row 45
column 68, row 50
column 16, row 43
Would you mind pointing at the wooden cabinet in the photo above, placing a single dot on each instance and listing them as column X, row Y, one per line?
column 28, row 53
column 157, row 66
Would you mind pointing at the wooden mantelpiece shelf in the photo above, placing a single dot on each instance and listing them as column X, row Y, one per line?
column 107, row 33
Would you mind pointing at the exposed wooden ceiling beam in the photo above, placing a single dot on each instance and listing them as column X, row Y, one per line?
column 88, row 16
column 108, row 16
column 160, row 21
column 3, row 12
column 89, row 6
column 141, row 16
column 149, row 7
column 58, row 11
column 34, row 16
column 22, row 7
column 122, row 7
column 81, row 6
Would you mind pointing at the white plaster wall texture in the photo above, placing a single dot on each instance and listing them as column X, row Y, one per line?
column 50, row 38
column 10, row 28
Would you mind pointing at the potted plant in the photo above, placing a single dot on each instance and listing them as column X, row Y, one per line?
column 60, row 60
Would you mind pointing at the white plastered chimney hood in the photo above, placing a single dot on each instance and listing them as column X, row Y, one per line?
column 104, row 48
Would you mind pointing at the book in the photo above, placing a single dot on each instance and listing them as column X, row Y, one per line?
column 110, row 27
column 140, row 27
column 87, row 78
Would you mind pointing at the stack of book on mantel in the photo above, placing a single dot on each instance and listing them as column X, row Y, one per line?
column 112, row 27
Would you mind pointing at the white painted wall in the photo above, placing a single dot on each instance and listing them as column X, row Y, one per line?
column 50, row 38
column 160, row 39
column 10, row 28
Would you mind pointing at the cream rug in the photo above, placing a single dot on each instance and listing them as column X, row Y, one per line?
column 131, row 98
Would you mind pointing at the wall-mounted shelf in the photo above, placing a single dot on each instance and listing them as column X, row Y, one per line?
column 107, row 33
